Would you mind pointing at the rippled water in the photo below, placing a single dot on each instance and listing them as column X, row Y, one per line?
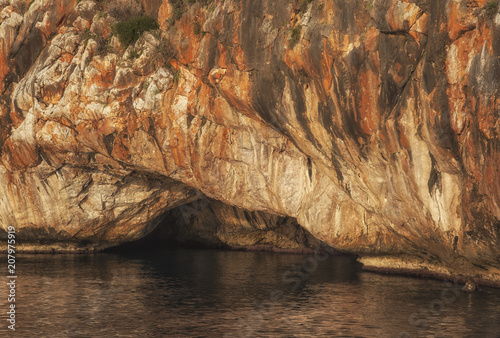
column 179, row 292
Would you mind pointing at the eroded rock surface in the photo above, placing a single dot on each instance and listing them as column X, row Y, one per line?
column 373, row 123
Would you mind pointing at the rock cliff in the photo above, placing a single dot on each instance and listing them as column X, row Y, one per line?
column 373, row 123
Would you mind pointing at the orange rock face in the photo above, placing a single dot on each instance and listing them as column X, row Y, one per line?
column 374, row 124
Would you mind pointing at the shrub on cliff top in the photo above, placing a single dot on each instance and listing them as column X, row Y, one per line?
column 130, row 30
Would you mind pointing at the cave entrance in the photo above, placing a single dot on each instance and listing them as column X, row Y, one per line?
column 208, row 223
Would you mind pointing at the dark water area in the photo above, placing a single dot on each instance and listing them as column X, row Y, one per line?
column 214, row 293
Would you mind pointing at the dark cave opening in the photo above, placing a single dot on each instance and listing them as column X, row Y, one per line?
column 211, row 224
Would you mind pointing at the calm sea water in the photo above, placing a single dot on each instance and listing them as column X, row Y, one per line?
column 211, row 293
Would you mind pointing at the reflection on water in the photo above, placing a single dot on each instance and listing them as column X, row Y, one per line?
column 180, row 292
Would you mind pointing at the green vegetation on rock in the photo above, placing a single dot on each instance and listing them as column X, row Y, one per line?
column 129, row 31
column 295, row 36
column 491, row 7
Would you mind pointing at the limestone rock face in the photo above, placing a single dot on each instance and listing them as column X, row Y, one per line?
column 375, row 124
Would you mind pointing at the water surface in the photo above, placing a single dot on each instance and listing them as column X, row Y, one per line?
column 181, row 292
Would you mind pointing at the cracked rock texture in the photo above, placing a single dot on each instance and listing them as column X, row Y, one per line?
column 374, row 124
